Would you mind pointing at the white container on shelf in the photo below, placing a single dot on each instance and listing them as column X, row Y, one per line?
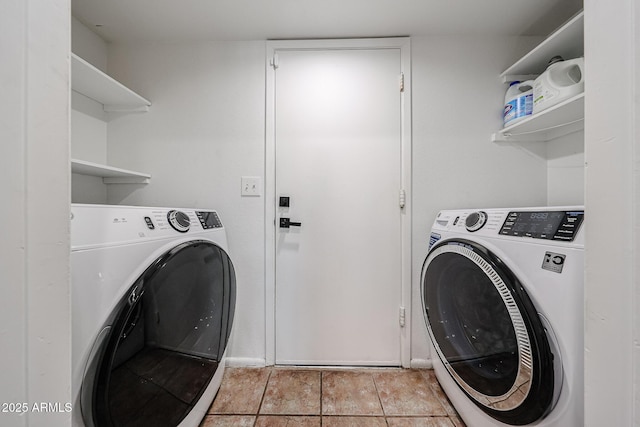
column 560, row 81
column 518, row 102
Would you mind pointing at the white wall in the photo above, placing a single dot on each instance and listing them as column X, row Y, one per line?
column 612, row 287
column 457, row 105
column 88, row 119
column 204, row 130
column 35, row 329
column 565, row 170
column 89, row 143
column 88, row 45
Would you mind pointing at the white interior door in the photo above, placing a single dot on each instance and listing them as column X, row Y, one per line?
column 338, row 158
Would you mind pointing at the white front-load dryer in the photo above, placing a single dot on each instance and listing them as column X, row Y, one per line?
column 502, row 293
column 153, row 298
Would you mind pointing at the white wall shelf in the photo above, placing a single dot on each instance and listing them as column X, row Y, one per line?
column 109, row 174
column 561, row 119
column 95, row 84
column 567, row 41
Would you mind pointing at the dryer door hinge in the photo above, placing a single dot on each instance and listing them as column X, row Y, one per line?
column 403, row 319
column 274, row 61
column 402, row 199
column 401, row 82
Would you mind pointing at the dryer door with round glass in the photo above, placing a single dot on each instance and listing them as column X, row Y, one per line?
column 487, row 333
column 164, row 341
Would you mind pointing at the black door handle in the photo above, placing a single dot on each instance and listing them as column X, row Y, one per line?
column 286, row 223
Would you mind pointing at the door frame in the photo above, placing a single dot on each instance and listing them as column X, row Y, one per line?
column 272, row 47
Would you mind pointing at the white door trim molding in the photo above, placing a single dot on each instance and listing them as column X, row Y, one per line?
column 402, row 43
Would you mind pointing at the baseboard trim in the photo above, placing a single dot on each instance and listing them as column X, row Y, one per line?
column 249, row 362
column 245, row 362
column 421, row 364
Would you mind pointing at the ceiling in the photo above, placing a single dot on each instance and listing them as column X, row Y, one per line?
column 123, row 21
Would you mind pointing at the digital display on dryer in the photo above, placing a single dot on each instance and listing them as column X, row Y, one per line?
column 209, row 219
column 550, row 225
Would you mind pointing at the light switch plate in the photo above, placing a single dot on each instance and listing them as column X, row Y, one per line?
column 251, row 186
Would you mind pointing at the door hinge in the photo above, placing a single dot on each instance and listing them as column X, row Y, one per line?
column 274, row 61
column 401, row 82
column 403, row 319
column 402, row 199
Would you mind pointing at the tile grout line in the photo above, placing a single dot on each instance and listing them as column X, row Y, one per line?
column 444, row 403
column 321, row 377
column 375, row 385
column 264, row 392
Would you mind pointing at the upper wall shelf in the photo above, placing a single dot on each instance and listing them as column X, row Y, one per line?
column 561, row 119
column 95, row 84
column 567, row 41
column 109, row 174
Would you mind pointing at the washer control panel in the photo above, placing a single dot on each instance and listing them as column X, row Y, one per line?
column 96, row 225
column 550, row 225
column 557, row 223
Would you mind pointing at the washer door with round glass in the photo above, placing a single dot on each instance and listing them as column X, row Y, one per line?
column 487, row 333
column 164, row 341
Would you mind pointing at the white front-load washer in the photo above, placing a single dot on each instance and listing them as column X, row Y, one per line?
column 153, row 298
column 502, row 293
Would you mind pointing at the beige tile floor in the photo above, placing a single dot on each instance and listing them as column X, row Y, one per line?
column 275, row 397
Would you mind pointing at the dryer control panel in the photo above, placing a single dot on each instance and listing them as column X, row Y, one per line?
column 556, row 224
column 96, row 225
column 550, row 225
column 209, row 219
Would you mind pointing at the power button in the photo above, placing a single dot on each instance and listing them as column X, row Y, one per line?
column 150, row 225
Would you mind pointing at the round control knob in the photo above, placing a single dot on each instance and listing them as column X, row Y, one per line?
column 179, row 221
column 475, row 221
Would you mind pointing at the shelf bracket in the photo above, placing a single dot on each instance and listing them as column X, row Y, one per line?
column 125, row 180
column 125, row 108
